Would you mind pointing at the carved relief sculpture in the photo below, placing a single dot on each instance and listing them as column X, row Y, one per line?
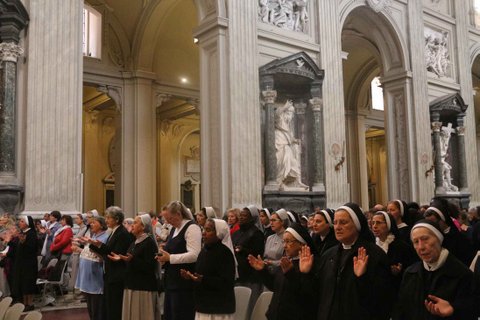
column 437, row 58
column 287, row 150
column 445, row 135
column 286, row 14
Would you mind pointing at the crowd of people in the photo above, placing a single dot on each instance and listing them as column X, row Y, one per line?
column 395, row 261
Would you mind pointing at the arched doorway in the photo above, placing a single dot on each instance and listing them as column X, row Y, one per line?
column 376, row 135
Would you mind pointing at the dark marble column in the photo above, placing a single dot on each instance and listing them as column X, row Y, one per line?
column 300, row 108
column 436, row 127
column 317, row 144
column 269, row 97
column 9, row 53
column 461, row 160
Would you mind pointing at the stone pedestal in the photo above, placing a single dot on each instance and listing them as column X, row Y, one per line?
column 300, row 202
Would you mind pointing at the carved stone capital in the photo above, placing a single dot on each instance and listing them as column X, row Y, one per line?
column 162, row 98
column 269, row 96
column 316, row 104
column 9, row 51
column 300, row 107
column 379, row 5
column 460, row 130
column 436, row 126
column 113, row 92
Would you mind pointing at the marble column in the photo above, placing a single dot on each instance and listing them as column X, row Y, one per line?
column 229, row 104
column 461, row 158
column 299, row 131
column 9, row 52
column 318, row 183
column 53, row 161
column 269, row 97
column 436, row 127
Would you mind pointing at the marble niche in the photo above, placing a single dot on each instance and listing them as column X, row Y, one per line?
column 447, row 115
column 292, row 130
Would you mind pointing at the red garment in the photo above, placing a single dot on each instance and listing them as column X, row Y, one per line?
column 233, row 229
column 63, row 242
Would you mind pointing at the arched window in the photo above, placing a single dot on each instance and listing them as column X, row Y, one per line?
column 92, row 32
column 377, row 94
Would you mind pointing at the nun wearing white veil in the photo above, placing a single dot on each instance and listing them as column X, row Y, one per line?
column 139, row 295
column 215, row 273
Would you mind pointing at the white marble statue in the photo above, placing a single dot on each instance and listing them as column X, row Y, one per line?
column 287, row 150
column 445, row 135
column 437, row 58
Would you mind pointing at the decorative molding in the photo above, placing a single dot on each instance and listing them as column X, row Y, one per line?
column 113, row 92
column 161, row 98
column 316, row 104
column 437, row 56
column 460, row 130
column 286, row 14
column 436, row 126
column 168, row 127
column 114, row 47
column 9, row 51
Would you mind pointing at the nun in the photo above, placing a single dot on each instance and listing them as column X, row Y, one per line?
column 139, row 296
column 354, row 277
column 397, row 208
column 293, row 292
column 264, row 216
column 456, row 242
column 248, row 240
column 214, row 276
column 25, row 263
column 437, row 287
column 323, row 234
column 274, row 245
column 400, row 254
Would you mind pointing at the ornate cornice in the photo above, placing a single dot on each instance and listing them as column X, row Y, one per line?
column 269, row 96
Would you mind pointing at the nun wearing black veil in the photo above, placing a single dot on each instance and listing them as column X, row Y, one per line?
column 25, row 263
column 354, row 276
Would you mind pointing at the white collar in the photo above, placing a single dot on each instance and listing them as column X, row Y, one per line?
column 439, row 263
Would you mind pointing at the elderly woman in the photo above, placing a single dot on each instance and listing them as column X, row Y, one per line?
column 293, row 292
column 400, row 254
column 118, row 242
column 274, row 245
column 180, row 252
column 323, row 234
column 79, row 220
column 439, row 286
column 214, row 276
column 354, row 276
column 90, row 270
column 128, row 224
column 140, row 284
column 232, row 220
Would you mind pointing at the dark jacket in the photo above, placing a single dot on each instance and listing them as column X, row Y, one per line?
column 140, row 274
column 25, row 265
column 452, row 282
column 294, row 294
column 119, row 243
column 400, row 252
column 215, row 293
column 247, row 240
column 325, row 244
column 459, row 245
column 343, row 295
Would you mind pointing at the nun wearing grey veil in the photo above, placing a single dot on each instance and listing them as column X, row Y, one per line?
column 139, row 296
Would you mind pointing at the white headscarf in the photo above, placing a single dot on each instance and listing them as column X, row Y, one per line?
column 210, row 212
column 223, row 233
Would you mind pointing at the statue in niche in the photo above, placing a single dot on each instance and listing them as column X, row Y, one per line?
column 436, row 52
column 287, row 150
column 445, row 135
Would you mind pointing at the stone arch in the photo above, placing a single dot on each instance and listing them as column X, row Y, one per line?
column 211, row 8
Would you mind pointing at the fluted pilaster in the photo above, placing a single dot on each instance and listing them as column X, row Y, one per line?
column 53, row 143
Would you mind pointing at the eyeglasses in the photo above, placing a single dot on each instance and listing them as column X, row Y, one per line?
column 378, row 222
column 289, row 241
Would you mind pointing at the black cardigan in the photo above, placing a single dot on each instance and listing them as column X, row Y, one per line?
column 141, row 268
column 215, row 293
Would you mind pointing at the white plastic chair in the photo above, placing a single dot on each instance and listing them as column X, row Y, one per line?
column 242, row 297
column 4, row 304
column 261, row 306
column 33, row 315
column 14, row 312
